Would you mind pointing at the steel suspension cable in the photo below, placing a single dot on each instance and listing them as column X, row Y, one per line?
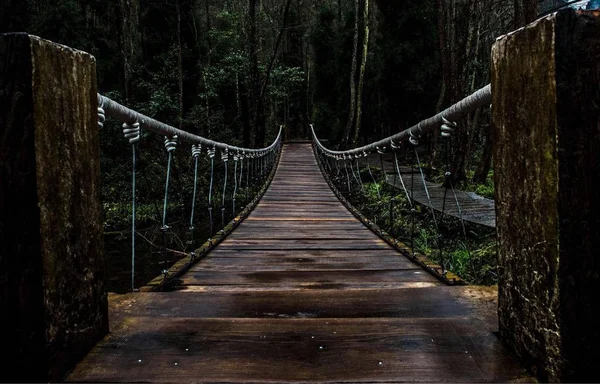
column 236, row 158
column 196, row 151
column 170, row 146
column 119, row 112
column 432, row 211
column 211, row 155
column 241, row 170
column 225, row 158
column 470, row 103
column 132, row 134
column 249, row 162
column 362, row 187
column 372, row 177
column 352, row 168
column 381, row 151
column 413, row 209
column 402, row 180
column 447, row 130
column 347, row 175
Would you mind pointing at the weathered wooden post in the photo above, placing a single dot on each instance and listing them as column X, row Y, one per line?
column 53, row 300
column 546, row 122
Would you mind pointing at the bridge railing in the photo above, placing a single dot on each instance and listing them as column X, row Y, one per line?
column 251, row 166
column 343, row 169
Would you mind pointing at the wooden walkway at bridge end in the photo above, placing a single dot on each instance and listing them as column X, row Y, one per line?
column 473, row 208
column 300, row 292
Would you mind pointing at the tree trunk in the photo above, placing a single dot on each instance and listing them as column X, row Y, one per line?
column 179, row 66
column 245, row 113
column 445, row 67
column 130, row 43
column 260, row 113
column 526, row 11
column 208, row 42
column 361, row 75
column 307, row 100
column 352, row 109
column 254, row 86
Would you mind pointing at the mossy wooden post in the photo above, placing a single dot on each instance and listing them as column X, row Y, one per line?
column 53, row 301
column 546, row 122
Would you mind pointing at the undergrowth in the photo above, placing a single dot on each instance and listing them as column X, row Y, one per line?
column 471, row 254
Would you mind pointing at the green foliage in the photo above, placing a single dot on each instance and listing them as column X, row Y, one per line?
column 473, row 258
column 309, row 83
column 285, row 80
column 487, row 189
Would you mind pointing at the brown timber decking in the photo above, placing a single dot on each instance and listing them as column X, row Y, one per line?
column 302, row 291
column 473, row 208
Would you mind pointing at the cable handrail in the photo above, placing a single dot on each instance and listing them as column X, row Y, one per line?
column 133, row 121
column 126, row 115
column 455, row 112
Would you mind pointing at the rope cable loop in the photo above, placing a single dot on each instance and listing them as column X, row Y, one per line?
column 132, row 132
column 414, row 137
column 101, row 117
column 448, row 127
column 211, row 152
column 196, row 150
column 171, row 143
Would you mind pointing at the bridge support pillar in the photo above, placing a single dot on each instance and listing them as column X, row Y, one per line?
column 546, row 123
column 53, row 302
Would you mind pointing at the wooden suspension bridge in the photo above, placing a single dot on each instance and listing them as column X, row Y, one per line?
column 302, row 291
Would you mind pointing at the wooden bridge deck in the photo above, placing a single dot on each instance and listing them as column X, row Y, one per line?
column 473, row 208
column 302, row 291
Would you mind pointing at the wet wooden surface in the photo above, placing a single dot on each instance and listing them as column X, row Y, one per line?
column 302, row 291
column 473, row 208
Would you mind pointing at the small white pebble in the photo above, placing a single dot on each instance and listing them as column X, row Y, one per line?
column 321, row 347
column 187, row 349
column 312, row 337
column 380, row 363
column 175, row 363
column 140, row 360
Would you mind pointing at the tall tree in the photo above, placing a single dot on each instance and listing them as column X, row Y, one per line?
column 526, row 11
column 130, row 43
column 361, row 74
column 352, row 107
column 252, row 53
column 260, row 119
column 179, row 64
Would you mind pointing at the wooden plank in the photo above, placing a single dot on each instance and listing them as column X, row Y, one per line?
column 320, row 278
column 301, row 233
column 298, row 218
column 292, row 288
column 346, row 225
column 381, row 350
column 223, row 264
column 323, row 244
column 382, row 254
column 433, row 302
